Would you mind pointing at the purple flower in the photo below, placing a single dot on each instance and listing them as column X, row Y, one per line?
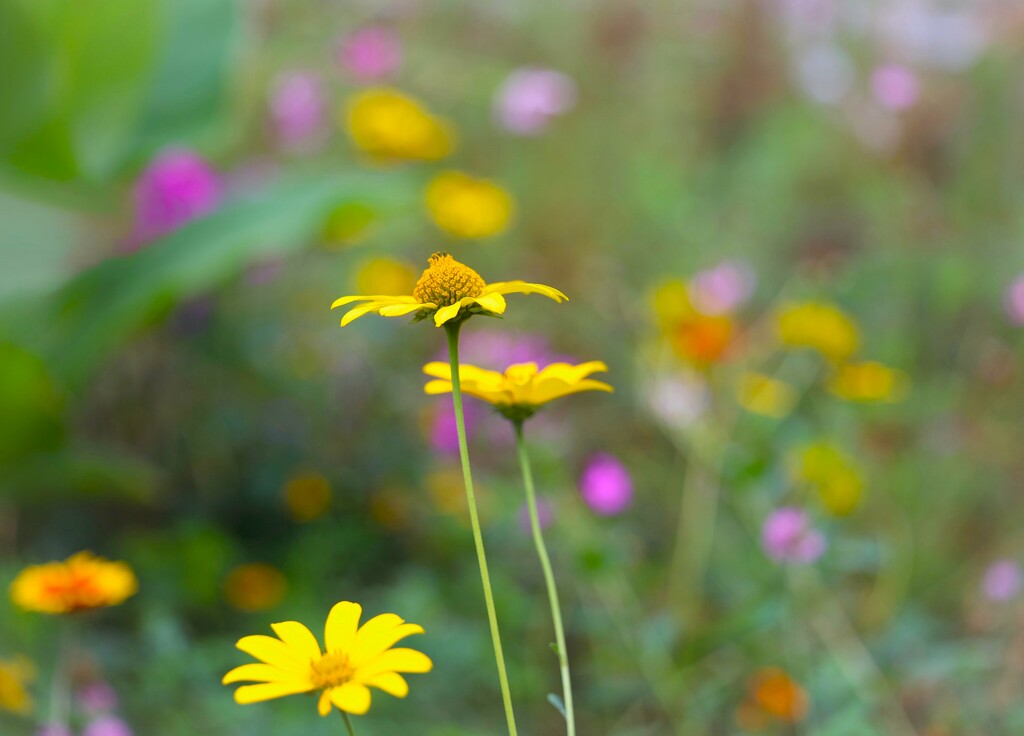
column 54, row 729
column 297, row 110
column 530, row 97
column 606, row 485
column 371, row 53
column 723, row 288
column 787, row 536
column 895, row 86
column 1002, row 581
column 443, row 433
column 1015, row 301
column 107, row 726
column 498, row 350
column 545, row 515
column 177, row 187
column 97, row 697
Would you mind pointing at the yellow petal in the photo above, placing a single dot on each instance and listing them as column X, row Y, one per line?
column 323, row 705
column 436, row 369
column 267, row 691
column 298, row 638
column 341, row 626
column 258, row 673
column 444, row 314
column 390, row 682
column 397, row 660
column 572, row 373
column 353, row 314
column 369, row 636
column 399, row 310
column 373, row 298
column 492, row 303
column 522, row 287
column 554, row 389
column 351, row 698
column 434, row 388
column 274, row 652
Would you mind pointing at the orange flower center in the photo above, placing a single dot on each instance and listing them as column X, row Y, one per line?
column 331, row 670
column 446, row 281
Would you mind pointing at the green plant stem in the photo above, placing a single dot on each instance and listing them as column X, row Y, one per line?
column 452, row 332
column 549, row 578
column 348, row 724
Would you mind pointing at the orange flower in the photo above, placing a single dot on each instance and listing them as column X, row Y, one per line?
column 703, row 339
column 773, row 696
column 255, row 586
column 80, row 583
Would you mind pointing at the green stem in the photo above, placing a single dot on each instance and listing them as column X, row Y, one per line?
column 348, row 724
column 452, row 332
column 549, row 578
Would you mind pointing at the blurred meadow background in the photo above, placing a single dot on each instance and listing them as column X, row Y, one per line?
column 792, row 229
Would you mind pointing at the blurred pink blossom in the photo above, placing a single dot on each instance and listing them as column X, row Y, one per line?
column 371, row 53
column 530, row 97
column 97, row 697
column 177, row 186
column 443, row 433
column 1002, row 581
column 895, row 86
column 545, row 515
column 723, row 288
column 787, row 536
column 297, row 108
column 606, row 485
column 1015, row 300
column 107, row 726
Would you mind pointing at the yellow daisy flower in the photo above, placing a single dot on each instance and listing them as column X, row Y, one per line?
column 80, row 583
column 15, row 674
column 820, row 326
column 522, row 388
column 390, row 125
column 356, row 658
column 868, row 381
column 448, row 290
column 468, row 207
column 767, row 396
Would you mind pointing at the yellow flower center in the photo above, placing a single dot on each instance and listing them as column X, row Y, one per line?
column 331, row 670
column 446, row 281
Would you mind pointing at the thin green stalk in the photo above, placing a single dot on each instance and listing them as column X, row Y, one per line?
column 549, row 578
column 348, row 724
column 452, row 331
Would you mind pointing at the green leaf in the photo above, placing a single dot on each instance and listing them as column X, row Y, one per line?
column 556, row 700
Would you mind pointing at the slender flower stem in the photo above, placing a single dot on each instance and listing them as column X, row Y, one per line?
column 549, row 578
column 452, row 332
column 348, row 724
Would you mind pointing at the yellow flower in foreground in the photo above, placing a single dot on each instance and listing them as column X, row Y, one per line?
column 767, row 396
column 831, row 474
column 448, row 290
column 868, row 381
column 356, row 658
column 468, row 207
column 390, row 125
column 15, row 674
column 820, row 326
column 80, row 583
column 522, row 388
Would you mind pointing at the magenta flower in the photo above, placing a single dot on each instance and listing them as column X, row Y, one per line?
column 1015, row 301
column 895, row 86
column 1002, row 581
column 787, row 536
column 371, row 53
column 529, row 98
column 107, row 726
column 177, row 187
column 545, row 515
column 96, row 698
column 606, row 485
column 297, row 110
column 723, row 288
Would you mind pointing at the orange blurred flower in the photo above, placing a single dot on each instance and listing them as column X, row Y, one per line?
column 772, row 697
column 702, row 339
column 255, row 586
column 80, row 583
column 307, row 496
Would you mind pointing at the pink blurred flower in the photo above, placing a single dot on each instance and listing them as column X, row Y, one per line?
column 371, row 53
column 97, row 697
column 545, row 515
column 177, row 187
column 1002, row 581
column 1015, row 300
column 606, row 485
column 895, row 86
column 530, row 97
column 443, row 433
column 297, row 110
column 723, row 288
column 787, row 536
column 107, row 726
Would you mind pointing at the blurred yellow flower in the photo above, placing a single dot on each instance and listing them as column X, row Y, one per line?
column 468, row 207
column 307, row 496
column 389, row 125
column 80, row 583
column 820, row 326
column 389, row 507
column 522, row 388
column 385, row 276
column 448, row 290
column 15, row 674
column 868, row 381
column 671, row 303
column 831, row 474
column 773, row 696
column 355, row 659
column 764, row 395
column 255, row 586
